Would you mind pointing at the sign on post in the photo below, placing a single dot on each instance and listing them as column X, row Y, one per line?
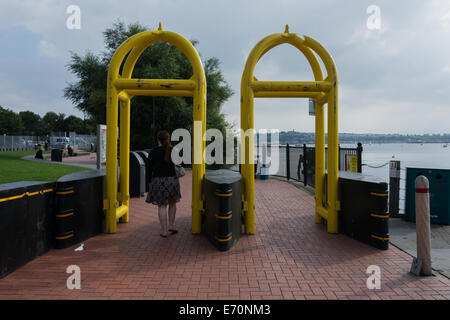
column 394, row 169
column 312, row 107
column 353, row 163
column 101, row 145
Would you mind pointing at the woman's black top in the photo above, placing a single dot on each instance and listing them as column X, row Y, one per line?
column 157, row 166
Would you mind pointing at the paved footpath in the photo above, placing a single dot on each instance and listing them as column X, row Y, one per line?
column 403, row 235
column 290, row 257
column 84, row 159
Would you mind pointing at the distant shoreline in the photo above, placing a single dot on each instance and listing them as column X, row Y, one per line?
column 294, row 137
column 364, row 143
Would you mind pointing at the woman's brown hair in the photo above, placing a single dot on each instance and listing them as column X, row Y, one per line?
column 164, row 139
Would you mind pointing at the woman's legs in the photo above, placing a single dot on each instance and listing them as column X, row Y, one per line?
column 162, row 213
column 172, row 213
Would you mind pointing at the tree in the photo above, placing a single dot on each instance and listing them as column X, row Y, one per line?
column 60, row 124
column 10, row 122
column 75, row 124
column 31, row 123
column 49, row 121
column 159, row 61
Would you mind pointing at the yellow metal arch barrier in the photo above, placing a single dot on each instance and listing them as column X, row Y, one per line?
column 121, row 87
column 322, row 91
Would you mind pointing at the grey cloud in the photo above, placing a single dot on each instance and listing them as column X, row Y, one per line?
column 383, row 74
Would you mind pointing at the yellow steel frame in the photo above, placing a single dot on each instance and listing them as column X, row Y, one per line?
column 322, row 91
column 121, row 87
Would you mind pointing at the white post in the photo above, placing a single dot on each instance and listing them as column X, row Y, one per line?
column 423, row 229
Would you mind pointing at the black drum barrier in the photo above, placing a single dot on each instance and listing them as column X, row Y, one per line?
column 57, row 155
column 137, row 175
column 86, row 201
column 144, row 156
column 364, row 209
column 222, row 220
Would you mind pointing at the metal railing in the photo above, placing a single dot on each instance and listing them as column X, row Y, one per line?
column 17, row 143
column 298, row 162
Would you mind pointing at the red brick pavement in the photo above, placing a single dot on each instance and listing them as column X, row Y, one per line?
column 290, row 257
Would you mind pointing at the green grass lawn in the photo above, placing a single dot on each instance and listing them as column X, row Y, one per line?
column 13, row 169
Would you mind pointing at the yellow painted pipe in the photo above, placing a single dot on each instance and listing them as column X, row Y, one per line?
column 160, row 93
column 287, row 94
column 111, row 158
column 125, row 156
column 124, row 96
column 333, row 158
column 319, row 160
column 302, row 86
column 122, row 211
column 322, row 212
column 154, row 84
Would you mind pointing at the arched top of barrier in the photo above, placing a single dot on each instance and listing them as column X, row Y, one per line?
column 308, row 46
column 132, row 49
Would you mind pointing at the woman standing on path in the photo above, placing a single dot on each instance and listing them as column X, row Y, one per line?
column 164, row 187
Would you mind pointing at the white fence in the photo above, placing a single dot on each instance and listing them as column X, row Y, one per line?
column 16, row 143
column 8, row 143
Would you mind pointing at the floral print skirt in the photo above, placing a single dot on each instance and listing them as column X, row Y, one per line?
column 163, row 190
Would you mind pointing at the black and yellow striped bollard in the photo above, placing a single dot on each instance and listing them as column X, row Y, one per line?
column 64, row 225
column 224, row 234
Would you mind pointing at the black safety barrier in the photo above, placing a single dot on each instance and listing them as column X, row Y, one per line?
column 33, row 215
column 144, row 156
column 26, row 222
column 86, row 201
column 364, row 208
column 137, row 175
column 222, row 219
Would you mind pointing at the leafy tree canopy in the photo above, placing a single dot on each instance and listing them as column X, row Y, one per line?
column 31, row 123
column 28, row 123
column 10, row 122
column 159, row 61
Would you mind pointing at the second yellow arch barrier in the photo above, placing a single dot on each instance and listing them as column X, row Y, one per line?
column 322, row 91
column 121, row 87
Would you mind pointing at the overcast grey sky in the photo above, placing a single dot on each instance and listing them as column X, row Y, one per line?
column 395, row 79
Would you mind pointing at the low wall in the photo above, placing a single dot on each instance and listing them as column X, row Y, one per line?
column 29, row 212
column 26, row 222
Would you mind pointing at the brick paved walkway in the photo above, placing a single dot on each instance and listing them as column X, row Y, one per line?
column 290, row 257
